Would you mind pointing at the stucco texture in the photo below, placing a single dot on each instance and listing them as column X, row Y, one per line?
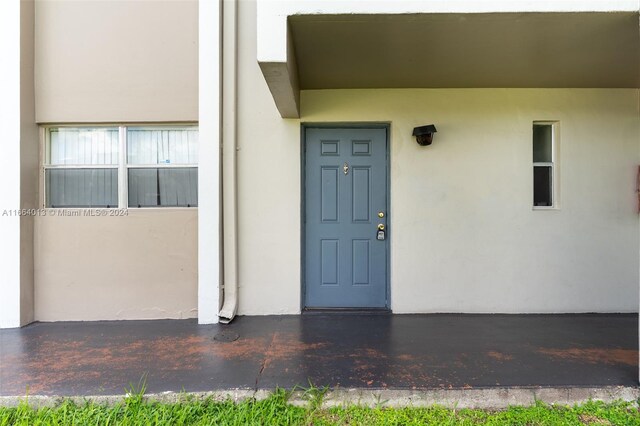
column 464, row 237
column 143, row 266
column 463, row 234
column 117, row 62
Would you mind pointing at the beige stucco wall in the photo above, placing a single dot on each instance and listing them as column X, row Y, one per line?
column 116, row 60
column 464, row 237
column 143, row 266
column 120, row 62
column 268, row 188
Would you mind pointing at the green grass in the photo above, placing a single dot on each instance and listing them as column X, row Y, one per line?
column 276, row 410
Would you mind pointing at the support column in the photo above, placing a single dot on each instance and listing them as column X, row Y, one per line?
column 10, row 163
column 209, row 162
column 18, row 162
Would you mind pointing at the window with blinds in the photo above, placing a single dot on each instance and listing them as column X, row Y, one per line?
column 162, row 167
column 82, row 167
column 111, row 167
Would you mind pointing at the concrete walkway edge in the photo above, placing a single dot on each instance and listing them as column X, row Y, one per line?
column 488, row 398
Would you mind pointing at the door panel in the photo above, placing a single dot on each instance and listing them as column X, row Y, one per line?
column 345, row 188
column 329, row 194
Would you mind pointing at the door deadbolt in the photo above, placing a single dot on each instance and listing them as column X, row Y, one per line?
column 380, row 215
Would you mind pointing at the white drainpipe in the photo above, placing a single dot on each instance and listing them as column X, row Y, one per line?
column 229, row 160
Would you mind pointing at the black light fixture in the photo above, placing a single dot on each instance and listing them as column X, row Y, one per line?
column 424, row 134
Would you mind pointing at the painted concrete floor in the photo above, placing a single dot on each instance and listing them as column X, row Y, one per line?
column 337, row 350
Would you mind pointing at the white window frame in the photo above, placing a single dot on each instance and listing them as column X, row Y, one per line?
column 122, row 166
column 555, row 175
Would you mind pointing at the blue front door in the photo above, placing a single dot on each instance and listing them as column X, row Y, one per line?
column 346, row 233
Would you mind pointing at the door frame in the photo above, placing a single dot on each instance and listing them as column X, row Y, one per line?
column 303, row 155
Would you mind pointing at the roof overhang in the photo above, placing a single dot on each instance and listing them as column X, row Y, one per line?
column 528, row 49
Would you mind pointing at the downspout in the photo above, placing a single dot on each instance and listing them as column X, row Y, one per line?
column 229, row 160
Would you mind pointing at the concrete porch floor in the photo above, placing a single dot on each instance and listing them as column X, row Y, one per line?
column 410, row 352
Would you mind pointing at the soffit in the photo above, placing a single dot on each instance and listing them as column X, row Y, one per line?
column 447, row 50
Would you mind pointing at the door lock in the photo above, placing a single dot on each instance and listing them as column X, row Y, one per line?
column 380, row 215
column 381, row 235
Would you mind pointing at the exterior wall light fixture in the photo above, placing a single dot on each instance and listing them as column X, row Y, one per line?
column 424, row 134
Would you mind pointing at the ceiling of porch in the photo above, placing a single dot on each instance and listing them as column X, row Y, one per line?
column 506, row 50
column 447, row 50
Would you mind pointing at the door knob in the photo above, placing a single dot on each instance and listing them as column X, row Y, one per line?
column 380, row 227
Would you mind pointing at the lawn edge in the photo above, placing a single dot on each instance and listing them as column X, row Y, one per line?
column 494, row 398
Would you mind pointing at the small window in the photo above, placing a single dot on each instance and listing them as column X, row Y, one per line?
column 544, row 173
column 109, row 167
column 162, row 167
column 81, row 167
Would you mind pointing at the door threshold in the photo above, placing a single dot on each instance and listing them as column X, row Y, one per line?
column 347, row 311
